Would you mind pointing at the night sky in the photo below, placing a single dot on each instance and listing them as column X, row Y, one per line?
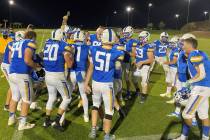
column 91, row 13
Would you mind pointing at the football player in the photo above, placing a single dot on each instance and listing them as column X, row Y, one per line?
column 199, row 68
column 78, row 71
column 6, row 63
column 161, row 48
column 56, row 54
column 21, row 86
column 102, row 65
column 4, row 40
column 144, row 58
column 95, row 39
column 130, row 45
column 172, row 63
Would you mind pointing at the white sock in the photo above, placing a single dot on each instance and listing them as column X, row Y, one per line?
column 22, row 120
column 168, row 89
column 205, row 137
column 177, row 110
column 183, row 137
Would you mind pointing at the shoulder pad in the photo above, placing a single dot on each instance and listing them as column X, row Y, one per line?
column 32, row 45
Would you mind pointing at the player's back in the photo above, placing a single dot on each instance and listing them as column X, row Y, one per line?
column 174, row 52
column 199, row 57
column 6, row 52
column 104, row 63
column 94, row 40
column 80, row 57
column 18, row 64
column 54, row 55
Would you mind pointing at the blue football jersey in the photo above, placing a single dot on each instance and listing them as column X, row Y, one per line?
column 54, row 55
column 123, row 41
column 182, row 69
column 94, row 40
column 18, row 64
column 118, row 72
column 196, row 58
column 80, row 57
column 141, row 52
column 7, row 50
column 104, row 63
column 174, row 52
column 128, row 49
column 160, row 48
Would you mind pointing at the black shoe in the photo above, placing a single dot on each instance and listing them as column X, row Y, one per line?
column 47, row 123
column 58, row 126
column 6, row 108
column 137, row 92
column 143, row 98
column 122, row 113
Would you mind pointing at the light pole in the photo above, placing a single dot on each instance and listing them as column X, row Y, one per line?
column 177, row 20
column 11, row 3
column 188, row 11
column 128, row 9
column 205, row 13
column 149, row 9
column 5, row 23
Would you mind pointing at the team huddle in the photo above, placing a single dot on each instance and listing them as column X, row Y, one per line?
column 97, row 64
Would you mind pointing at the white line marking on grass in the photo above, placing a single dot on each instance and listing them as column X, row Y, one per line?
column 149, row 137
column 18, row 135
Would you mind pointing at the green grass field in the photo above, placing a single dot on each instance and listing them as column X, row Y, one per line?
column 147, row 119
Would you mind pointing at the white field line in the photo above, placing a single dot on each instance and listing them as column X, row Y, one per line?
column 149, row 137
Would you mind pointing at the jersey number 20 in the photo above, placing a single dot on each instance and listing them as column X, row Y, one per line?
column 103, row 64
column 51, row 52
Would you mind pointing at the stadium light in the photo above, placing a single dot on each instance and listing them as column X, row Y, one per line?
column 177, row 16
column 148, row 18
column 115, row 12
column 188, row 11
column 150, row 5
column 129, row 9
column 205, row 13
column 177, row 20
column 11, row 2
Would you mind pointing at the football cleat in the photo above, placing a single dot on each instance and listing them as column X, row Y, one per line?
column 109, row 137
column 11, row 121
column 6, row 108
column 143, row 99
column 86, row 118
column 25, row 126
column 182, row 137
column 35, row 106
column 47, row 123
column 172, row 101
column 174, row 114
column 92, row 134
column 58, row 126
column 168, row 95
column 128, row 96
